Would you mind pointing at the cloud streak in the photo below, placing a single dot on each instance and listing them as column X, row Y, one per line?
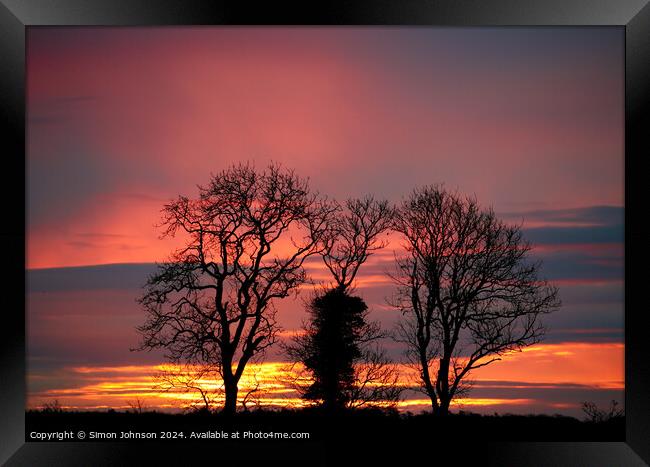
column 93, row 387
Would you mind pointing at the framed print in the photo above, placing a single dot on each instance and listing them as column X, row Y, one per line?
column 380, row 230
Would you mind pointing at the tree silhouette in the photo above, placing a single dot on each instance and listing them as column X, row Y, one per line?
column 468, row 290
column 190, row 380
column 52, row 407
column 246, row 238
column 339, row 346
column 137, row 406
column 596, row 415
column 353, row 235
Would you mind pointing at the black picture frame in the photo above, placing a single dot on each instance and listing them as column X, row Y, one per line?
column 17, row 15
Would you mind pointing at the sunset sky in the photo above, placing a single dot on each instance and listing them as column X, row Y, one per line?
column 120, row 120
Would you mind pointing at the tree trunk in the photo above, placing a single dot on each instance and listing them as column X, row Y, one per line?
column 434, row 403
column 230, row 383
column 426, row 378
column 443, row 408
column 230, row 405
column 442, row 385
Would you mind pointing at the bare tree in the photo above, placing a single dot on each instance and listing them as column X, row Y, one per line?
column 338, row 348
column 375, row 379
column 353, row 236
column 52, row 407
column 468, row 290
column 137, row 406
column 597, row 415
column 246, row 236
column 253, row 394
column 191, row 380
